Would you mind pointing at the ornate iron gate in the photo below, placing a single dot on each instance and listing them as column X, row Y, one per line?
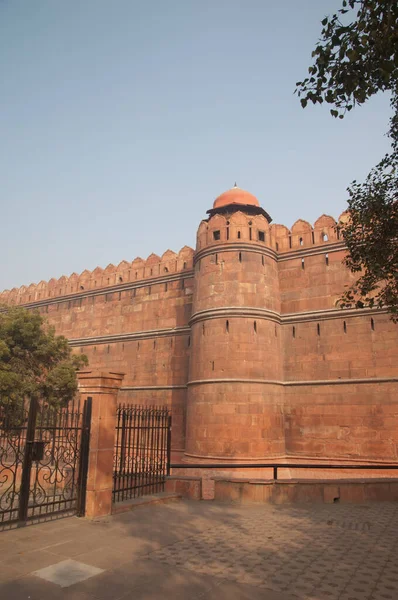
column 142, row 451
column 43, row 459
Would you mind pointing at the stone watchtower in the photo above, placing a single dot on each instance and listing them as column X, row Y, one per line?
column 234, row 409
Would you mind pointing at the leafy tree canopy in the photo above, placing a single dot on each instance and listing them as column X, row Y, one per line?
column 356, row 57
column 34, row 361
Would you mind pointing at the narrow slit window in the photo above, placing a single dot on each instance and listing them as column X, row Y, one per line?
column 182, row 284
column 136, row 274
column 120, row 295
column 294, row 331
column 262, row 260
column 203, row 329
column 301, row 241
column 318, row 329
column 227, row 326
column 290, row 241
column 216, row 235
column 345, row 327
column 250, row 233
column 372, row 324
column 240, row 256
column 212, row 366
column 238, row 235
column 149, row 290
column 313, row 237
column 189, row 341
column 327, row 259
column 216, row 259
column 166, row 287
column 261, row 236
column 109, row 349
column 154, row 343
column 255, row 327
column 302, row 263
column 138, row 346
column 151, row 272
column 277, row 246
column 227, row 233
column 276, row 332
column 184, row 265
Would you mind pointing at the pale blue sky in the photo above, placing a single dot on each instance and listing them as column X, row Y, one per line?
column 121, row 121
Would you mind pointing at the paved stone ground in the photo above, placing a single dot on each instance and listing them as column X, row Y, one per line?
column 203, row 550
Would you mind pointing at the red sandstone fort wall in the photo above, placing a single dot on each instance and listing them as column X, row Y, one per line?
column 252, row 330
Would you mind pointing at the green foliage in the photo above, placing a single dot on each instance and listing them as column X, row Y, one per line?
column 34, row 361
column 356, row 57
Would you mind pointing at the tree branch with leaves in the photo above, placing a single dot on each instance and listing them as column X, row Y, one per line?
column 355, row 58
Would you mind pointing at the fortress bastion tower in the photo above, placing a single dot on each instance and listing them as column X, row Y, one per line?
column 234, row 408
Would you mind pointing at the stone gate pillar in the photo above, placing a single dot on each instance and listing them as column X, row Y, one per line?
column 103, row 388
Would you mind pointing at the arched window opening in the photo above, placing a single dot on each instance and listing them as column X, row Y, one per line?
column 325, row 237
column 301, row 241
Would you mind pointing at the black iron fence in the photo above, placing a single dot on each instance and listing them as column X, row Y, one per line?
column 43, row 469
column 142, row 451
column 275, row 466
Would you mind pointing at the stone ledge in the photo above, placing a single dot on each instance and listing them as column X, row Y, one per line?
column 248, row 491
column 161, row 498
column 185, row 485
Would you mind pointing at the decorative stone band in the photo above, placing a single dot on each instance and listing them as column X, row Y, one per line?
column 297, row 383
column 127, row 388
column 302, row 253
column 282, row 319
column 218, row 313
column 266, row 251
column 136, row 335
column 120, row 287
column 330, row 313
column 235, row 311
column 235, row 247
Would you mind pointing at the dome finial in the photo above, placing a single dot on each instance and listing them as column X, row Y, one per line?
column 235, row 185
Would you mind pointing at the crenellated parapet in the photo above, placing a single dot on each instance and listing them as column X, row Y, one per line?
column 221, row 228
column 124, row 272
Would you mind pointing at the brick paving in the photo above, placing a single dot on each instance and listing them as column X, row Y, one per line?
column 203, row 550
